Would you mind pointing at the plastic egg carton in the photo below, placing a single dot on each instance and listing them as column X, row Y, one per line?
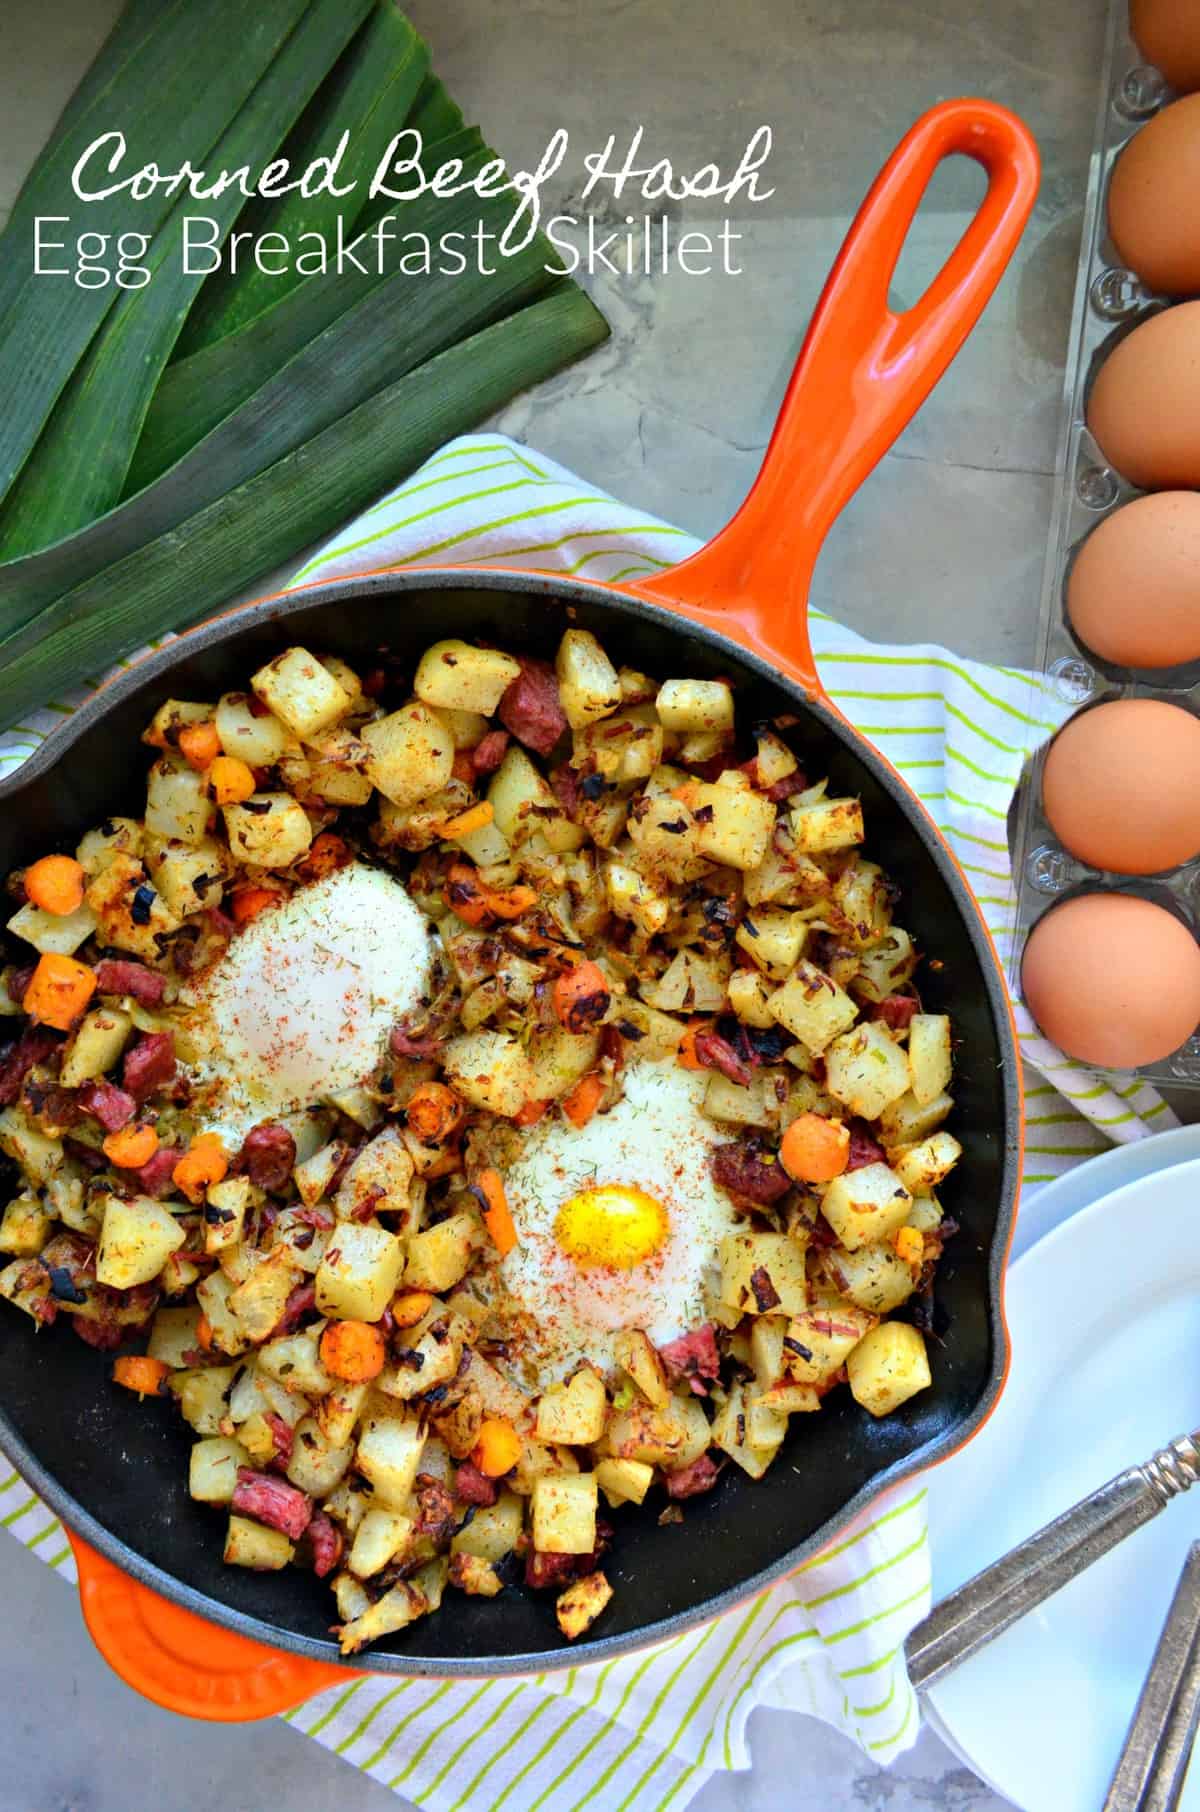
column 1109, row 301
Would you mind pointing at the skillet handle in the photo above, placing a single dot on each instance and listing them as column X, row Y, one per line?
column 862, row 373
column 183, row 1662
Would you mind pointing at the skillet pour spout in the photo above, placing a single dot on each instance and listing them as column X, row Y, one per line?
column 222, row 1643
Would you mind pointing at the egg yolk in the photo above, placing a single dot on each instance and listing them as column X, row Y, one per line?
column 611, row 1224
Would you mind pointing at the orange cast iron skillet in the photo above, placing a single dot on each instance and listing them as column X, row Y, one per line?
column 219, row 1642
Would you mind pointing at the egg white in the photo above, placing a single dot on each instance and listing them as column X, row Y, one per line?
column 656, row 1139
column 300, row 1006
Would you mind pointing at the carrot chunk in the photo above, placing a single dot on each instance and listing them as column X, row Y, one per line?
column 131, row 1147
column 329, row 852
column 466, row 895
column 248, row 902
column 909, row 1243
column 581, row 1102
column 199, row 745
column 203, row 1163
column 138, row 1372
column 59, row 991
column 581, row 997
column 498, row 1448
column 686, row 1054
column 473, row 819
column 497, row 1216
column 353, row 1350
column 814, row 1149
column 434, row 1112
column 55, row 884
column 204, row 1334
column 410, row 1307
column 530, row 1114
column 232, row 781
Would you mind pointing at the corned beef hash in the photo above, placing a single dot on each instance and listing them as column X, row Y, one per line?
column 483, row 1099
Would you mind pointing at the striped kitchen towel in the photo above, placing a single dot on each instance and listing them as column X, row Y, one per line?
column 645, row 1732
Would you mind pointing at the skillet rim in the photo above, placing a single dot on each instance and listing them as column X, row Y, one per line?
column 277, row 608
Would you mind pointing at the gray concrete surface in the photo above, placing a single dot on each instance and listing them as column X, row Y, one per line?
column 945, row 541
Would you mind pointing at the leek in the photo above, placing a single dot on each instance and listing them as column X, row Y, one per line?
column 180, row 576
column 181, row 86
column 78, row 468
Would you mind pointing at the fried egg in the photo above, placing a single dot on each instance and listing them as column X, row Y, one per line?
column 300, row 1006
column 617, row 1224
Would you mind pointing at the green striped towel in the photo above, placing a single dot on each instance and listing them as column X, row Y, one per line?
column 647, row 1731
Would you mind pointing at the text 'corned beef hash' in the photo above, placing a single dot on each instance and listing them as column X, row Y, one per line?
column 478, row 1094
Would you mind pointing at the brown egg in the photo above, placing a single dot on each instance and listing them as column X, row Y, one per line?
column 1133, row 596
column 1152, row 200
column 1113, row 980
column 1121, row 787
column 1167, row 32
column 1144, row 408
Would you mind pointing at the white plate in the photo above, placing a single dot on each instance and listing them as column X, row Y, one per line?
column 1104, row 1314
column 1049, row 1206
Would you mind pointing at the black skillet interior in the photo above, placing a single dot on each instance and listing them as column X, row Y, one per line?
column 86, row 1443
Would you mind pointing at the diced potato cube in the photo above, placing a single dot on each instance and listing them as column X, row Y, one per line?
column 861, row 894
column 136, row 1239
column 176, row 715
column 588, row 685
column 661, row 1035
column 212, row 1469
column 268, row 830
column 929, row 1055
column 115, row 837
column 574, row 1413
column 259, row 741
column 731, row 1102
column 685, row 704
column 389, row 1455
column 866, row 1205
column 338, row 1412
column 812, row 1007
column 765, row 1425
column 767, row 1356
column 478, row 1578
column 636, row 1355
column 189, row 876
column 259, row 1302
column 886, row 966
column 380, row 1536
column 394, row 1611
column 294, row 1361
column 302, row 693
column 667, row 839
column 225, row 1214
column 887, row 1367
column 202, row 1396
column 493, row 1531
column 359, row 1273
column 873, row 1277
column 748, row 997
column 730, row 1433
column 734, row 827
column 926, row 1214
column 53, row 932
column 564, row 1513
column 630, row 896
column 524, row 804
column 433, row 1360
column 316, row 1466
column 314, row 1175
column 177, row 803
column 789, row 1400
column 440, row 1256
column 133, row 915
column 579, row 1606
column 250, row 1544
column 352, row 1601
column 25, row 1227
column 338, row 768
column 622, row 749
column 490, row 1070
column 866, row 1070
column 558, row 1058
column 97, row 1044
column 763, row 1273
column 455, row 676
column 828, row 824
column 624, row 1481
column 908, row 1121
column 774, row 938
column 922, row 1167
column 213, row 1293
column 411, row 753
column 174, row 1334
column 468, row 728
column 380, row 1175
column 37, row 1154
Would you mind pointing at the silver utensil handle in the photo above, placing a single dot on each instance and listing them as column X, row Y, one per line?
column 1158, row 1747
column 995, row 1599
